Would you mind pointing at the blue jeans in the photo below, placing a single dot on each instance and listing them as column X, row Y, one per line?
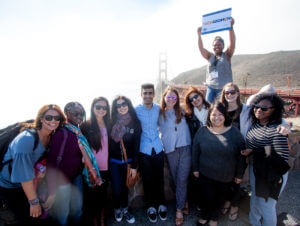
column 118, row 183
column 261, row 208
column 68, row 202
column 211, row 94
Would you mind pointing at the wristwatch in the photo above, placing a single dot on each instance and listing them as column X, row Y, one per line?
column 34, row 202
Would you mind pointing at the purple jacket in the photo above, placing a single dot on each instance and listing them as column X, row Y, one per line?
column 71, row 164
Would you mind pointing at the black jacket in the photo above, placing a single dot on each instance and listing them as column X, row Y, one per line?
column 131, row 140
column 194, row 124
column 268, row 173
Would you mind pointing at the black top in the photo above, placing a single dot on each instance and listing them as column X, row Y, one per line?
column 218, row 156
column 131, row 140
column 194, row 124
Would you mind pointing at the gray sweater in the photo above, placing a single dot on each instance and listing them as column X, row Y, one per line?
column 217, row 156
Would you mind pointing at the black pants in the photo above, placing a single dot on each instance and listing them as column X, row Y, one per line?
column 95, row 199
column 17, row 202
column 152, row 171
column 234, row 194
column 213, row 195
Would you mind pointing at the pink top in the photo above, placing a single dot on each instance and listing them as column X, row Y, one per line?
column 102, row 154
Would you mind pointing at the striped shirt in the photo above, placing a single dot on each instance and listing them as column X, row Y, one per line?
column 260, row 136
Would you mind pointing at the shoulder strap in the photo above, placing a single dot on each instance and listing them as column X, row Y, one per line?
column 124, row 150
column 35, row 134
column 62, row 147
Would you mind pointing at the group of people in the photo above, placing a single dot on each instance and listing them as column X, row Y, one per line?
column 205, row 142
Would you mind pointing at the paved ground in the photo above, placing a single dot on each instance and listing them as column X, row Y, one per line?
column 288, row 208
column 289, row 202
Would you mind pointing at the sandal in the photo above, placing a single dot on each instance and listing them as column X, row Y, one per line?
column 186, row 209
column 179, row 218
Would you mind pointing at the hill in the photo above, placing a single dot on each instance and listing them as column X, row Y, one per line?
column 262, row 69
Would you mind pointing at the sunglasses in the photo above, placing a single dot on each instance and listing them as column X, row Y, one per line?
column 232, row 92
column 98, row 107
column 191, row 99
column 263, row 108
column 147, row 93
column 51, row 117
column 124, row 104
column 169, row 97
column 77, row 114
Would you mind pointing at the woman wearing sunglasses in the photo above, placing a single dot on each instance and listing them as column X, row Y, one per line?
column 16, row 177
column 68, row 149
column 268, row 170
column 196, row 108
column 239, row 114
column 96, row 131
column 217, row 161
column 125, row 127
column 176, row 139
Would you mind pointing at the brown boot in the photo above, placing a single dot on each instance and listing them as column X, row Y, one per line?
column 103, row 217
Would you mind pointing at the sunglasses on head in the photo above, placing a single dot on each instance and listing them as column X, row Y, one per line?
column 191, row 99
column 51, row 117
column 169, row 97
column 124, row 104
column 98, row 107
column 263, row 108
column 232, row 92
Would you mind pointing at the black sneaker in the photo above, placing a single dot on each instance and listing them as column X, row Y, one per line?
column 118, row 215
column 162, row 212
column 152, row 214
column 128, row 216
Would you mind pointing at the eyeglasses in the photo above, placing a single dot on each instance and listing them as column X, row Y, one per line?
column 263, row 108
column 232, row 92
column 98, row 107
column 147, row 93
column 191, row 99
column 169, row 97
column 51, row 117
column 124, row 104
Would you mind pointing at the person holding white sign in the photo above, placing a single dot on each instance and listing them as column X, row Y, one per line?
column 219, row 63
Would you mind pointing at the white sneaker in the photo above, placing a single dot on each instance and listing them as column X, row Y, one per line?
column 118, row 215
column 128, row 216
column 152, row 214
column 162, row 212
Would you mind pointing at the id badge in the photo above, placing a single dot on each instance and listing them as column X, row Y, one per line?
column 214, row 74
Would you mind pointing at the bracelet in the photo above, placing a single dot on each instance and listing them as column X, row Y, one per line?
column 34, row 202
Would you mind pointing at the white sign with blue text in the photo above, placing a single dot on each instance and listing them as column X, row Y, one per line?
column 216, row 21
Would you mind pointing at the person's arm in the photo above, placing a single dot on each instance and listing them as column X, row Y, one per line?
column 195, row 155
column 35, row 208
column 229, row 52
column 204, row 52
column 136, row 145
column 241, row 159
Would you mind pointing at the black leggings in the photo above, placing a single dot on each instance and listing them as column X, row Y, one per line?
column 212, row 195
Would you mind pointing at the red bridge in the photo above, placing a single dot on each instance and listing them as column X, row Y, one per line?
column 291, row 97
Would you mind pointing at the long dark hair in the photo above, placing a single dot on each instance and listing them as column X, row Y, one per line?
column 188, row 107
column 90, row 128
column 177, row 107
column 131, row 111
column 278, row 105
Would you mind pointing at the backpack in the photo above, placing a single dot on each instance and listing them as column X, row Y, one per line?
column 9, row 133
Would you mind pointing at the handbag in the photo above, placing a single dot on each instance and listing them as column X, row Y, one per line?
column 130, row 181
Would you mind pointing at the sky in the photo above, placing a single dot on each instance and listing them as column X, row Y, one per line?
column 70, row 50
